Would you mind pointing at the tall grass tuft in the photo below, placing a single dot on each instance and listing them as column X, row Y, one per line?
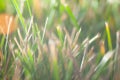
column 36, row 52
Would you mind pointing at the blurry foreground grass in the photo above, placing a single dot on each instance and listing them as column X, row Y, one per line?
column 59, row 41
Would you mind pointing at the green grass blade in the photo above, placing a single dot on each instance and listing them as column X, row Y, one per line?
column 28, row 5
column 108, row 36
column 19, row 14
column 44, row 30
column 60, row 34
column 71, row 15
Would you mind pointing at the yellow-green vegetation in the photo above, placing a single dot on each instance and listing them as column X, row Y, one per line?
column 60, row 40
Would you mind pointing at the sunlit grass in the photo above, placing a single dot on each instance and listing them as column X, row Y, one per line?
column 108, row 36
column 58, row 46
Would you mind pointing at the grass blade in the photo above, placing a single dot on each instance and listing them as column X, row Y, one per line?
column 108, row 36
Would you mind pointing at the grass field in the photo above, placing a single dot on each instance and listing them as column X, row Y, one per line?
column 59, row 40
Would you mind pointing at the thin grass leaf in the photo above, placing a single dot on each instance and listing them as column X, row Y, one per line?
column 2, row 41
column 116, row 72
column 100, row 67
column 84, row 55
column 69, row 71
column 28, row 5
column 14, row 2
column 44, row 30
column 60, row 34
column 72, row 17
column 108, row 36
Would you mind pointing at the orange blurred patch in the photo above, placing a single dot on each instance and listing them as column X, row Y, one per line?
column 102, row 47
column 37, row 9
column 8, row 24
